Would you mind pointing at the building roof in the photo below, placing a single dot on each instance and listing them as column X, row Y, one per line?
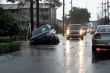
column 9, row 6
column 21, row 18
column 27, row 5
column 41, row 5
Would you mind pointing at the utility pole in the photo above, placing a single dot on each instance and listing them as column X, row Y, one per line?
column 108, row 11
column 54, row 14
column 31, row 15
column 71, row 5
column 71, row 11
column 63, row 15
column 105, row 10
column 102, row 8
column 37, row 13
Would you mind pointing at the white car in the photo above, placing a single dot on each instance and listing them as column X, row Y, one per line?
column 74, row 31
column 101, row 40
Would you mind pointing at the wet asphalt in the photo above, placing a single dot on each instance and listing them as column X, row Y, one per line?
column 69, row 56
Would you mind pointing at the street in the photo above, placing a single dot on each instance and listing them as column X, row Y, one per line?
column 69, row 56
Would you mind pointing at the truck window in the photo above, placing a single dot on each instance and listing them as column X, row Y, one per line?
column 75, row 27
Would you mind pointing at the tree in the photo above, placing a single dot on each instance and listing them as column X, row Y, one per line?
column 103, row 21
column 79, row 15
column 54, row 3
column 8, row 24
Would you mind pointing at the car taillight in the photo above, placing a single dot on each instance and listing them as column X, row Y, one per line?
column 104, row 50
column 98, row 49
column 101, row 49
column 97, row 36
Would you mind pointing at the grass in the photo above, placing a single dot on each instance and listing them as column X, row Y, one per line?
column 5, row 39
column 9, row 47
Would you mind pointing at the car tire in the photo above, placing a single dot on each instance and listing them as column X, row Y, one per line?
column 54, row 40
column 57, row 40
column 31, row 42
column 67, row 37
column 82, row 38
column 94, row 55
column 94, row 58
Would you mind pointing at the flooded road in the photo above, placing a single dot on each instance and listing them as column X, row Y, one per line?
column 69, row 56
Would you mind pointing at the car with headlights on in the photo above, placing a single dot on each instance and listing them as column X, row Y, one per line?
column 45, row 34
column 101, row 40
column 74, row 31
column 85, row 30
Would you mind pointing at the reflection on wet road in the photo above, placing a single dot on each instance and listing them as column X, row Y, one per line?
column 69, row 56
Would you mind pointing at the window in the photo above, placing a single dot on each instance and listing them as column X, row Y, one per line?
column 104, row 29
column 45, row 17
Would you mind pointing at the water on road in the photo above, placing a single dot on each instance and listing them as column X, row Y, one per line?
column 69, row 56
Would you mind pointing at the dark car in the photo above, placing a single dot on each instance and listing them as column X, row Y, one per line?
column 74, row 31
column 44, row 35
column 101, row 40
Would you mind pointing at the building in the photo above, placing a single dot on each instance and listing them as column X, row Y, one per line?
column 15, row 10
column 47, row 14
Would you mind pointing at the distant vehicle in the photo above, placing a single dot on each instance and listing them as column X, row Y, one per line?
column 74, row 31
column 101, row 40
column 44, row 35
column 92, row 31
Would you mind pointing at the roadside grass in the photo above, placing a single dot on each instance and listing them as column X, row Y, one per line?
column 8, row 46
column 5, row 39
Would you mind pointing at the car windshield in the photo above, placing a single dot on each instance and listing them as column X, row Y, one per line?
column 75, row 27
column 104, row 29
column 40, row 30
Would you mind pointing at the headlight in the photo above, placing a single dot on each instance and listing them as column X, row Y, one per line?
column 67, row 32
column 48, row 34
column 81, row 32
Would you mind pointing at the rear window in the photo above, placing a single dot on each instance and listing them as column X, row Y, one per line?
column 104, row 29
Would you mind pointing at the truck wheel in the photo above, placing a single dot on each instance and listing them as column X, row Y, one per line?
column 82, row 38
column 67, row 38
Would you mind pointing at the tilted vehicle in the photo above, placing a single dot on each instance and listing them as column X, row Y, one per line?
column 45, row 34
column 101, row 40
column 74, row 31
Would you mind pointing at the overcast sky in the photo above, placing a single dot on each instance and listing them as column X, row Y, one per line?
column 91, row 5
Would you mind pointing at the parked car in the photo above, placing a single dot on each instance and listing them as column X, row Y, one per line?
column 101, row 40
column 45, row 34
column 74, row 31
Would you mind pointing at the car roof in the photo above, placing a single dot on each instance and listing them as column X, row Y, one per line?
column 102, row 25
column 75, row 24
